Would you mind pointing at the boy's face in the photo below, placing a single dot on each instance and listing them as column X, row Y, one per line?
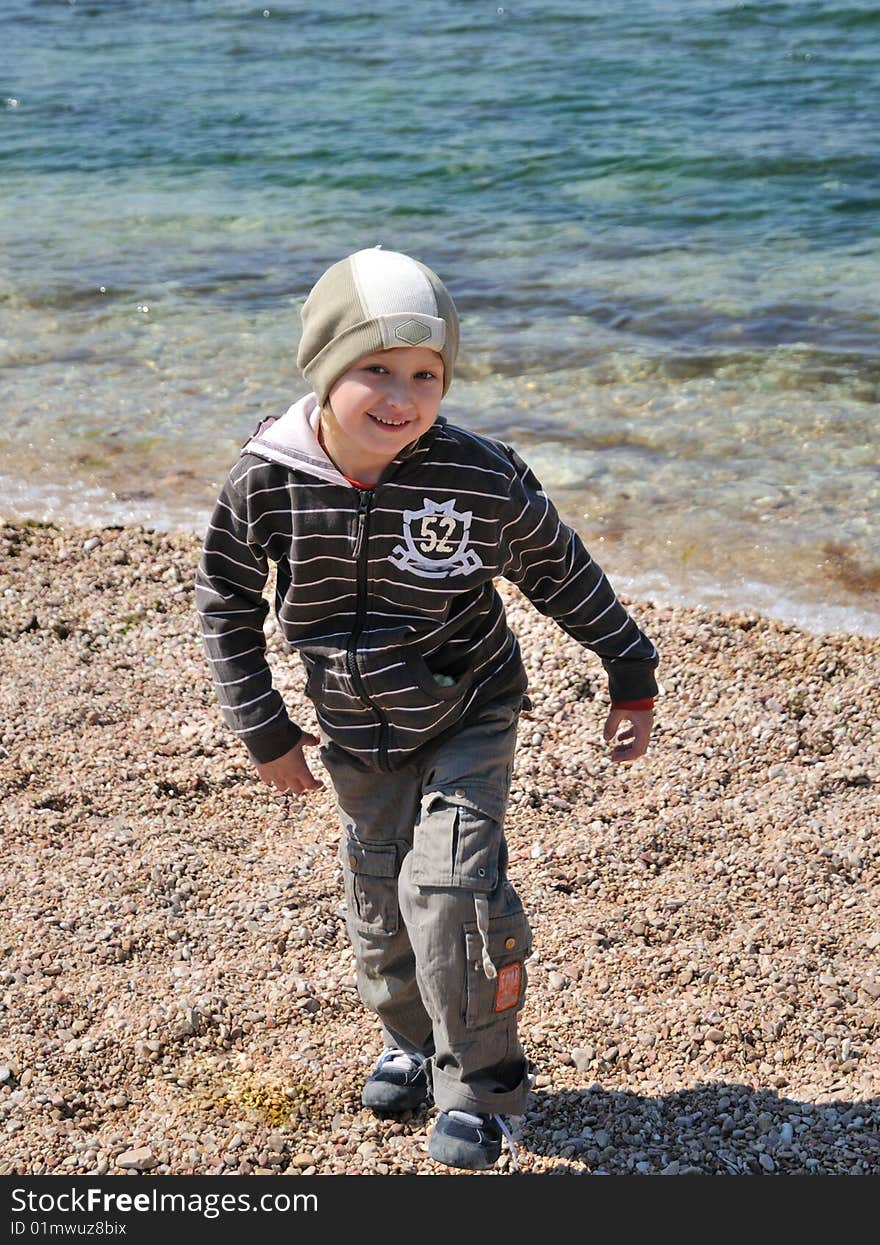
column 384, row 401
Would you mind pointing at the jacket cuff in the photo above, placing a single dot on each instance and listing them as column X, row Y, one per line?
column 274, row 744
column 628, row 682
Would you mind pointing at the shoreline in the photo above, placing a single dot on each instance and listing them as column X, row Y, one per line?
column 827, row 608
column 704, row 993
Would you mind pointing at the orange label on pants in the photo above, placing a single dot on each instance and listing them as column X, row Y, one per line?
column 508, row 987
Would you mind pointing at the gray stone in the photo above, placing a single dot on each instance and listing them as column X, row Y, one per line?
column 582, row 1058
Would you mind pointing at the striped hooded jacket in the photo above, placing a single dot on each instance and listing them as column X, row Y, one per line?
column 387, row 593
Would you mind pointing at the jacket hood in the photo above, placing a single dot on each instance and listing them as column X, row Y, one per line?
column 292, row 440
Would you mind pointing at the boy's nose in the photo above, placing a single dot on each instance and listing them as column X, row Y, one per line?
column 398, row 395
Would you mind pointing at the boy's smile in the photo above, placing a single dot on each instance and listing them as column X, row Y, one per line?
column 384, row 401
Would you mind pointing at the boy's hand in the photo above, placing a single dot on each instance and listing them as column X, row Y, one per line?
column 291, row 773
column 633, row 743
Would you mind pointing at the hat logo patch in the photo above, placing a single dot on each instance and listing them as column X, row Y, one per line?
column 413, row 332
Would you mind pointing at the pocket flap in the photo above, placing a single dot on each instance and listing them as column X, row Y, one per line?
column 376, row 860
column 458, row 838
column 476, row 796
column 509, row 940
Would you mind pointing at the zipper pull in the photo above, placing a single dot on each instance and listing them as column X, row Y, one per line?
column 363, row 507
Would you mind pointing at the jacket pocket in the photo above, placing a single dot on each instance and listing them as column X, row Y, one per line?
column 370, row 873
column 458, row 838
column 509, row 944
column 423, row 677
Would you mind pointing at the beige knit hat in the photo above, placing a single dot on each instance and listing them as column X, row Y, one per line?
column 374, row 300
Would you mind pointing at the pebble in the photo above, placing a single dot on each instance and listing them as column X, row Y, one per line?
column 140, row 1159
column 582, row 1057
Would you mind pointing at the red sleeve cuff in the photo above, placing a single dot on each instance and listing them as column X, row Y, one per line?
column 648, row 703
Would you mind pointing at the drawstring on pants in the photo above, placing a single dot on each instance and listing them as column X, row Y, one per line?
column 481, row 908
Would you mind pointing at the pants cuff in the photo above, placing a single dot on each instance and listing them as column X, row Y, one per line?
column 451, row 1094
column 392, row 1039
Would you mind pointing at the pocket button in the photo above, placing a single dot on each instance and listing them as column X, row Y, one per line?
column 460, row 794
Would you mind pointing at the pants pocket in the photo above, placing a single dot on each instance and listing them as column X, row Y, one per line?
column 510, row 943
column 370, row 873
column 458, row 837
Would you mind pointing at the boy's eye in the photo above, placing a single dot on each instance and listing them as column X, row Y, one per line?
column 377, row 369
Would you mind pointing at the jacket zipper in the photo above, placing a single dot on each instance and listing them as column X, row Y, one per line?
column 361, row 556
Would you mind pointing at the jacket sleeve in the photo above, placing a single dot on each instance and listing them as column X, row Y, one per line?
column 548, row 562
column 230, row 579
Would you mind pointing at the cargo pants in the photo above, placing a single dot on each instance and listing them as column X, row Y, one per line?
column 439, row 933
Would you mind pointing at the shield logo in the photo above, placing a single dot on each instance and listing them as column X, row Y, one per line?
column 436, row 541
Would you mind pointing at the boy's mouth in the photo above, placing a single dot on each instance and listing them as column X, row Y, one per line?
column 388, row 423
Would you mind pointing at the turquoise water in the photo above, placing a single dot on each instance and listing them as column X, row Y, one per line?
column 660, row 223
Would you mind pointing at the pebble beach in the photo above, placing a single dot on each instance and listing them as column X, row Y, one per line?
column 177, row 992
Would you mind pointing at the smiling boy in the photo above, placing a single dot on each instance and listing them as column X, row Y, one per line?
column 388, row 526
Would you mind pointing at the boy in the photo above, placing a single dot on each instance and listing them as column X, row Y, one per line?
column 388, row 526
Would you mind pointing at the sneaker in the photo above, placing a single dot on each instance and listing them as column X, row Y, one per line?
column 399, row 1082
column 461, row 1139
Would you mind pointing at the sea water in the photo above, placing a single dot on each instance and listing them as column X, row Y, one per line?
column 659, row 221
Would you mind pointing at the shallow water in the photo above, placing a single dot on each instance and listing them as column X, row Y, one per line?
column 660, row 227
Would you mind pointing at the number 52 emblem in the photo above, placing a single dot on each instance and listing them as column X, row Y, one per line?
column 436, row 541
